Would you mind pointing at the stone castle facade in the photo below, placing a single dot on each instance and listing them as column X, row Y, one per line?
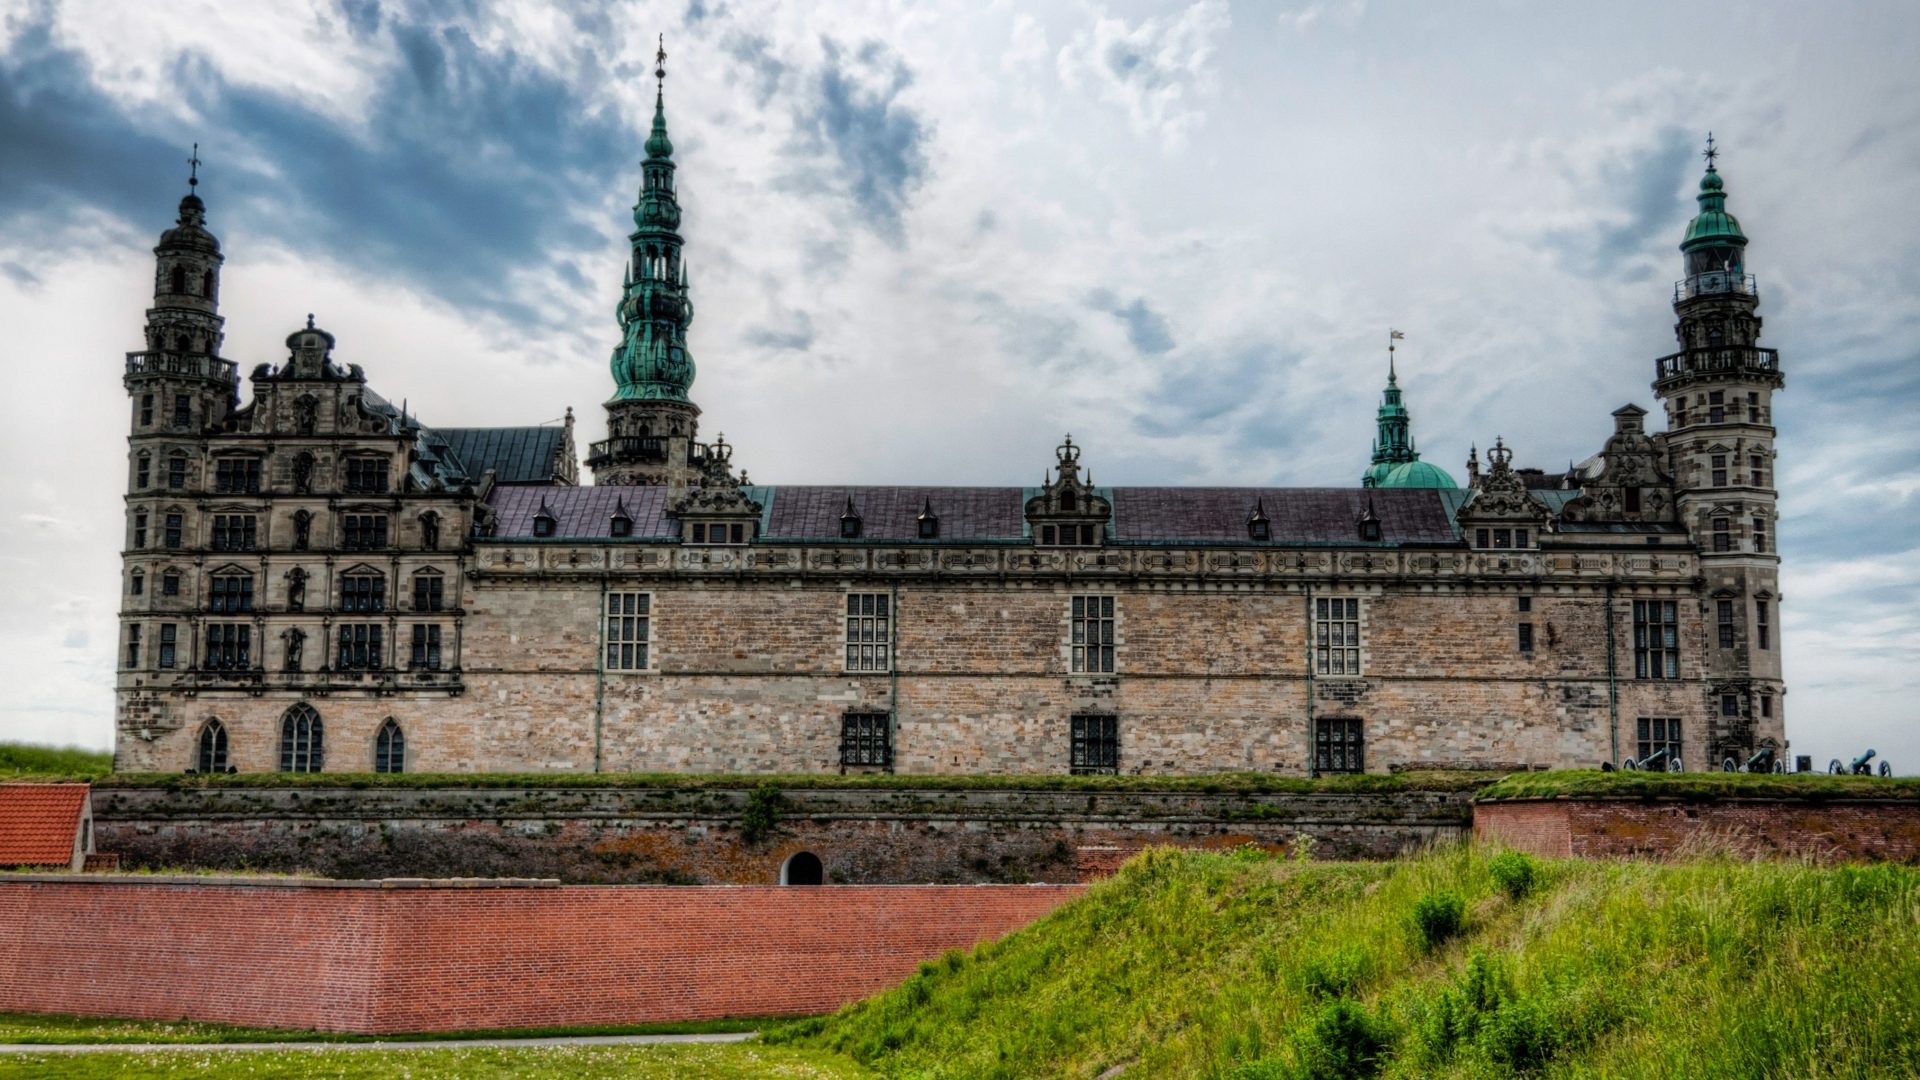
column 314, row 579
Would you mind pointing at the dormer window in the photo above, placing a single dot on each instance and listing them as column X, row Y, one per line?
column 1258, row 527
column 1369, row 523
column 621, row 525
column 1067, row 501
column 929, row 522
column 850, row 523
column 717, row 532
column 1070, row 535
column 543, row 524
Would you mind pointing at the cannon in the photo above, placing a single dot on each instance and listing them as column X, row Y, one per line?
column 1762, row 761
column 1860, row 766
column 1661, row 760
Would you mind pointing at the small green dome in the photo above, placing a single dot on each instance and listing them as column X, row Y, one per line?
column 659, row 147
column 1712, row 226
column 1412, row 474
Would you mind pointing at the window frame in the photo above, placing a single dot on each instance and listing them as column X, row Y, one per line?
column 1656, row 661
column 1093, row 744
column 390, row 747
column 1339, row 745
column 1660, row 732
column 363, row 592
column 1346, row 626
column 303, row 746
column 429, row 590
column 210, row 747
column 424, row 650
column 634, row 634
column 230, row 593
column 229, row 647
column 1092, row 639
column 235, row 532
column 365, row 532
column 869, row 626
column 360, row 646
column 866, row 739
column 366, row 474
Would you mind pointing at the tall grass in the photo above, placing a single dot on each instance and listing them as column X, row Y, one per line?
column 20, row 761
column 1203, row 965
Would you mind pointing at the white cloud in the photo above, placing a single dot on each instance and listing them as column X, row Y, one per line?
column 1156, row 69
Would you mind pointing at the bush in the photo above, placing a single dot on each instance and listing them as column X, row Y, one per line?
column 762, row 814
column 1436, row 917
column 1343, row 1040
column 1515, row 873
column 1522, row 1036
column 1336, row 975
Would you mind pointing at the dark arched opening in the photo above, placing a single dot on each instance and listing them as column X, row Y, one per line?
column 802, row 868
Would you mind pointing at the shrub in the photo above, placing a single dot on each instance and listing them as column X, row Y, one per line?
column 1335, row 975
column 762, row 815
column 1436, row 917
column 1515, row 872
column 1342, row 1041
column 1522, row 1036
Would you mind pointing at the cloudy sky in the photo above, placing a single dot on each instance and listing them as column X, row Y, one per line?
column 927, row 239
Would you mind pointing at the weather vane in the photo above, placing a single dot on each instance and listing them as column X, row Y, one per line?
column 1711, row 151
column 193, row 168
column 660, row 62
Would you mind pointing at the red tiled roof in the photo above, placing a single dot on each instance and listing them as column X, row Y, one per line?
column 38, row 822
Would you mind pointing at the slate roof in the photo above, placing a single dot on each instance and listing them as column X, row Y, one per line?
column 517, row 455
column 38, row 823
column 998, row 514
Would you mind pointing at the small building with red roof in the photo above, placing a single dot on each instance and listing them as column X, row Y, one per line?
column 46, row 825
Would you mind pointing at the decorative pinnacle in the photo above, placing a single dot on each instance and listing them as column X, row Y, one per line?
column 193, row 169
column 1711, row 152
column 309, row 320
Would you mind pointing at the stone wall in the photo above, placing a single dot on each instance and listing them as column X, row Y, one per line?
column 747, row 676
column 1852, row 831
column 383, row 957
column 863, row 836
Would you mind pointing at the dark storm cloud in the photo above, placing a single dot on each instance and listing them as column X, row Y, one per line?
column 877, row 142
column 1147, row 329
column 795, row 333
column 460, row 176
column 755, row 53
column 1645, row 202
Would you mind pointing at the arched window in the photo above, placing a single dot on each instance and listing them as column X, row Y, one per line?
column 177, row 281
column 206, row 284
column 802, row 868
column 302, row 745
column 390, row 748
column 212, row 756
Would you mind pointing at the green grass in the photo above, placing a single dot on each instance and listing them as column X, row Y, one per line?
column 1702, row 786
column 26, row 761
column 1230, row 783
column 1240, row 967
column 60, row 1029
column 731, row 1061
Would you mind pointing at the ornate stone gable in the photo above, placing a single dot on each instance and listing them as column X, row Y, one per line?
column 1633, row 483
column 1502, row 496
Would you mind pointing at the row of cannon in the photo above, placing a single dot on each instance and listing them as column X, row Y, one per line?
column 1766, row 760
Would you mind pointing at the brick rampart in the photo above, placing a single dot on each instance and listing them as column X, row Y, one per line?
column 1852, row 831
column 692, row 836
column 382, row 957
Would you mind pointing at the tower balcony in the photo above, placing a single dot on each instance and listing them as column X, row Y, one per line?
column 1715, row 283
column 1722, row 361
column 188, row 365
column 648, row 448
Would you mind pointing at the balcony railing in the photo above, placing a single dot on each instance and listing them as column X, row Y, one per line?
column 195, row 365
column 629, row 448
column 1715, row 283
column 1736, row 359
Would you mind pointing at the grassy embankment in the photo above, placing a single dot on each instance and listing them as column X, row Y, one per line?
column 26, row 761
column 1453, row 964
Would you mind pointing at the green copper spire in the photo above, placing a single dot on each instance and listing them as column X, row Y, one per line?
column 1713, row 230
column 652, row 363
column 1396, row 464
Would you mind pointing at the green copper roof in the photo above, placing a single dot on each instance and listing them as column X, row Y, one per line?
column 1712, row 226
column 1411, row 474
column 659, row 147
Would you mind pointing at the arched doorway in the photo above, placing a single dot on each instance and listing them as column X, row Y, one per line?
column 801, row 868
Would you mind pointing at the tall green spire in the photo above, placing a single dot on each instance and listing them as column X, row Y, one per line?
column 1714, row 242
column 652, row 363
column 1396, row 463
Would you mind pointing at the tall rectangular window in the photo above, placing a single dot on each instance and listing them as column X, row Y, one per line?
column 142, row 471
column 429, row 592
column 1095, row 743
column 1656, row 639
column 1092, row 633
column 177, row 472
column 1755, row 465
column 1719, row 470
column 1760, row 535
column 237, row 476
column 366, row 475
column 182, row 410
column 1766, row 705
column 235, row 532
column 865, row 739
column 1722, row 534
column 1729, row 704
column 628, row 631
column 229, row 647
column 1724, row 610
column 868, row 625
column 170, row 584
column 360, row 647
column 146, row 410
column 1657, row 734
column 1762, row 628
column 133, row 645
column 1526, row 637
column 426, row 648
column 139, row 530
column 365, row 532
column 1336, row 636
column 169, row 642
column 1338, row 745
column 175, row 526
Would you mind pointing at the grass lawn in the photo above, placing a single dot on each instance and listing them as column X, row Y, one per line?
column 26, row 761
column 1702, row 786
column 709, row 1061
column 53, row 1029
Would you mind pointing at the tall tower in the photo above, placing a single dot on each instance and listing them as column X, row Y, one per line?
column 651, row 422
column 1718, row 392
column 1396, row 464
column 179, row 388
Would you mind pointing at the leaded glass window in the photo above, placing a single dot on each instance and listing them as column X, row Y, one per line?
column 1092, row 633
column 1095, row 744
column 1656, row 639
column 628, row 631
column 865, row 739
column 1336, row 636
column 302, row 740
column 1338, row 745
column 869, row 623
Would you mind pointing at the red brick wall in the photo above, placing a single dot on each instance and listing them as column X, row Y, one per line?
column 416, row 957
column 1829, row 832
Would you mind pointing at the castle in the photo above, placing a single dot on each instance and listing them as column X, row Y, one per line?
column 316, row 580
